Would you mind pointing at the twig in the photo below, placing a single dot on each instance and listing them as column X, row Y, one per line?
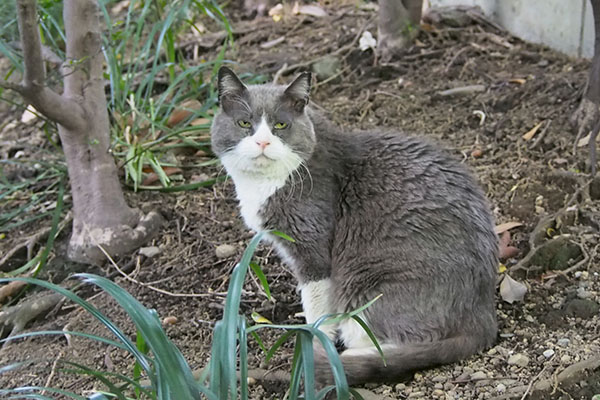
column 52, row 373
column 541, row 136
column 162, row 291
column 332, row 77
column 279, row 72
column 533, row 380
column 454, row 58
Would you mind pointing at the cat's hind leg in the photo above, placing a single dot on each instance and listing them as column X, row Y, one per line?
column 316, row 302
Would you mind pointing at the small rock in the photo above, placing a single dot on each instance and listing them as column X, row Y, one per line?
column 583, row 294
column 170, row 320
column 520, row 360
column 548, row 353
column 225, row 251
column 543, row 63
column 582, row 308
column 439, row 378
column 417, row 395
column 501, row 388
column 438, row 393
column 566, row 359
column 149, row 251
column 400, row 387
column 326, row 68
column 438, row 386
column 564, row 342
column 448, row 385
column 478, row 375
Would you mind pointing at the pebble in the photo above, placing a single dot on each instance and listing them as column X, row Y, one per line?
column 548, row 353
column 564, row 342
column 149, row 251
column 501, row 388
column 438, row 393
column 439, row 378
column 400, row 387
column 565, row 359
column 225, row 251
column 478, row 375
column 438, row 386
column 520, row 360
column 417, row 395
column 583, row 294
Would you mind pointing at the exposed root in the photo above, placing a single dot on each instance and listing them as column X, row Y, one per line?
column 30, row 242
column 83, row 246
column 587, row 119
column 15, row 318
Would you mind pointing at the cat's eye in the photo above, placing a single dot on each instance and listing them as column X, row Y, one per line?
column 280, row 125
column 244, row 124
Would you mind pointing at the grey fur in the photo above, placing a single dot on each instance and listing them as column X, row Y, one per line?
column 383, row 213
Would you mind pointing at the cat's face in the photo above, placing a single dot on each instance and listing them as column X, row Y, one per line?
column 262, row 130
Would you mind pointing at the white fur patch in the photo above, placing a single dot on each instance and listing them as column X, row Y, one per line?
column 353, row 335
column 316, row 303
column 257, row 172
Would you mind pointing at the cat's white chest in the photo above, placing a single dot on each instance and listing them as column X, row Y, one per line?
column 252, row 195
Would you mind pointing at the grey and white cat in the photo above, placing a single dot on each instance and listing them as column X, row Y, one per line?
column 372, row 213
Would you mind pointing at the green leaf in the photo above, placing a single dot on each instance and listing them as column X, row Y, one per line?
column 283, row 236
column 262, row 278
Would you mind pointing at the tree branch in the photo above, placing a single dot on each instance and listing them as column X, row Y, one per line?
column 66, row 112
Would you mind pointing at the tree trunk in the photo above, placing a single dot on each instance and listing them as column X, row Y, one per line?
column 397, row 26
column 587, row 115
column 101, row 216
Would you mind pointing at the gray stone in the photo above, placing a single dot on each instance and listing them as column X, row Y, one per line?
column 582, row 308
column 548, row 353
column 520, row 360
column 478, row 375
column 150, row 251
column 564, row 342
column 225, row 251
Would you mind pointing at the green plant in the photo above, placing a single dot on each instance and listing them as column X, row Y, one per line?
column 169, row 375
column 158, row 100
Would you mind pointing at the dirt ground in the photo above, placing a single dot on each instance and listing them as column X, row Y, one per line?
column 549, row 343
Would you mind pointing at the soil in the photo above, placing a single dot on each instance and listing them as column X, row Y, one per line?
column 541, row 183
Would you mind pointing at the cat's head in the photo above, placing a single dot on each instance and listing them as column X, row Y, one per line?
column 263, row 130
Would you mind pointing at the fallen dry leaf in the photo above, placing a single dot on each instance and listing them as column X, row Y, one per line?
column 530, row 133
column 511, row 290
column 200, row 121
column 506, row 226
column 505, row 250
column 10, row 289
column 477, row 153
column 152, row 177
column 310, row 9
column 182, row 112
column 520, row 81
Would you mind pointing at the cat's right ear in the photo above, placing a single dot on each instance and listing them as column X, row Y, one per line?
column 298, row 91
column 230, row 88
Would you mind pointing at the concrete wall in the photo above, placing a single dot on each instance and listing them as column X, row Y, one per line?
column 564, row 25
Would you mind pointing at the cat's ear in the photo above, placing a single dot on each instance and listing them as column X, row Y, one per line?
column 298, row 91
column 230, row 88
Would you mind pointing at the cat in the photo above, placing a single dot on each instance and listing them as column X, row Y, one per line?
column 371, row 213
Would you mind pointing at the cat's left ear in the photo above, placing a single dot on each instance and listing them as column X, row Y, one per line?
column 298, row 91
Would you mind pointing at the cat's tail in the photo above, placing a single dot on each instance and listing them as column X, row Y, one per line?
column 366, row 365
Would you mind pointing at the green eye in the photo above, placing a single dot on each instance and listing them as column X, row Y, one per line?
column 280, row 125
column 244, row 124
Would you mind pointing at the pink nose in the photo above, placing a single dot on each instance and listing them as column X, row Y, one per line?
column 263, row 144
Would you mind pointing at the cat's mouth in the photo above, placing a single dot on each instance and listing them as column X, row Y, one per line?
column 263, row 159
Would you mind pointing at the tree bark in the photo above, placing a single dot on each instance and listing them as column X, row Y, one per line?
column 397, row 26
column 587, row 115
column 101, row 216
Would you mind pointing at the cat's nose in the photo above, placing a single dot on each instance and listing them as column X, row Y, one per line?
column 263, row 144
